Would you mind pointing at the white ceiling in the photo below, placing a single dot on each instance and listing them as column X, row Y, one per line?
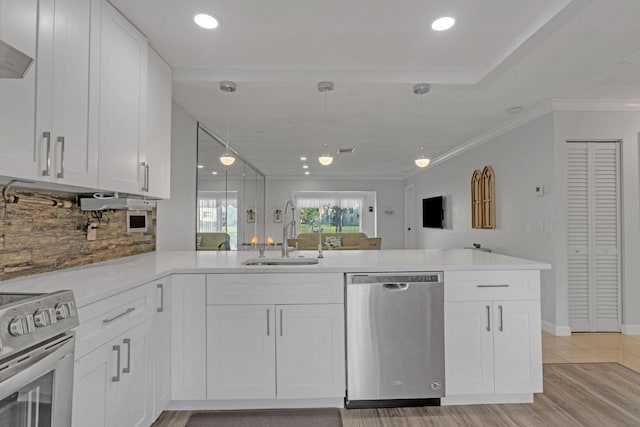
column 501, row 53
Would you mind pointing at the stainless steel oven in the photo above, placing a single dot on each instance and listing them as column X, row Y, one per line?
column 36, row 359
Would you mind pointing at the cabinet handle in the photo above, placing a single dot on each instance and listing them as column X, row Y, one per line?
column 161, row 308
column 116, row 378
column 127, row 342
column 47, row 137
column 488, row 318
column 61, row 142
column 493, row 286
column 281, row 322
column 500, row 328
column 146, row 177
column 268, row 322
column 124, row 313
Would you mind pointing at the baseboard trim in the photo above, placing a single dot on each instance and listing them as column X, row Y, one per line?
column 558, row 331
column 484, row 399
column 630, row 329
column 209, row 405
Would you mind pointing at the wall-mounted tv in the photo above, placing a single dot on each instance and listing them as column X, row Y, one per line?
column 432, row 213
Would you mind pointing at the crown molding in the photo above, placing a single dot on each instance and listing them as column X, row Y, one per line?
column 523, row 118
column 560, row 104
column 332, row 178
column 533, row 113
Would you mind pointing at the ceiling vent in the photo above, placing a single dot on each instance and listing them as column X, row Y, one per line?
column 346, row 150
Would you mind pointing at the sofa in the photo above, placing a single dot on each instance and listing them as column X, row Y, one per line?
column 347, row 241
column 212, row 241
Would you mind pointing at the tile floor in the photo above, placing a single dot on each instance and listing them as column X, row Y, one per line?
column 592, row 347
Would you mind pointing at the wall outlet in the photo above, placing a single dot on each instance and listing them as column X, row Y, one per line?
column 92, row 231
column 539, row 190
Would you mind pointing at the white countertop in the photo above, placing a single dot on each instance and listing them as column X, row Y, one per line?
column 93, row 282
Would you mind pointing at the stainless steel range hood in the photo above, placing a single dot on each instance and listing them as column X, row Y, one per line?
column 13, row 63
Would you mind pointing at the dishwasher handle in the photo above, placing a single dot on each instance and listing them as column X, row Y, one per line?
column 396, row 286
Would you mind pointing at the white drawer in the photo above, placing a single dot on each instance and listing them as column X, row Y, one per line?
column 275, row 288
column 491, row 285
column 104, row 320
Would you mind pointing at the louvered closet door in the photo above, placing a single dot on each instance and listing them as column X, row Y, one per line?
column 593, row 236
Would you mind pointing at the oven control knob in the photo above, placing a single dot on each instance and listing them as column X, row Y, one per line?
column 62, row 311
column 16, row 327
column 41, row 318
column 29, row 324
column 53, row 318
column 71, row 306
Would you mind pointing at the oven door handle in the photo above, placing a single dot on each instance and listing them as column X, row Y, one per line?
column 34, row 364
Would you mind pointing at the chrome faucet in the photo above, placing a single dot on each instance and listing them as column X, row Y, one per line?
column 292, row 224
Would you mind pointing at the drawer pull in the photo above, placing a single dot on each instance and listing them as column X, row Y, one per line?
column 124, row 313
column 493, row 286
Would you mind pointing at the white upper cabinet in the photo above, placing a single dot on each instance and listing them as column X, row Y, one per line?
column 64, row 151
column 18, row 26
column 155, row 148
column 121, row 53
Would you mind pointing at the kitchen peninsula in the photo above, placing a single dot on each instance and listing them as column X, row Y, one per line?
column 175, row 318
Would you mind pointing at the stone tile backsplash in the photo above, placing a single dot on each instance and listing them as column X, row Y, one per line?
column 37, row 238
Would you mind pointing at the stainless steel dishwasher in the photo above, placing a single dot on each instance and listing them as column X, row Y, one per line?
column 395, row 339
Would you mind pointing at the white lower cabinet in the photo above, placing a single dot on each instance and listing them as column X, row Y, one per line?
column 161, row 338
column 275, row 336
column 275, row 351
column 188, row 337
column 112, row 383
column 492, row 346
column 241, row 348
column 310, row 351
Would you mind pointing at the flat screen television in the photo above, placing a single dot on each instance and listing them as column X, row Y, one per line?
column 432, row 213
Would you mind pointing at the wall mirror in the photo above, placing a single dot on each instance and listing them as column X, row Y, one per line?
column 230, row 212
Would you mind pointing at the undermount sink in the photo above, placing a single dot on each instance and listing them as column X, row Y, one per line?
column 281, row 261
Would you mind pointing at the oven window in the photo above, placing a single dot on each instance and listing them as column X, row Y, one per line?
column 30, row 406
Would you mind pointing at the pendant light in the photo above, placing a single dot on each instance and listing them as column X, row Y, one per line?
column 325, row 158
column 421, row 89
column 227, row 159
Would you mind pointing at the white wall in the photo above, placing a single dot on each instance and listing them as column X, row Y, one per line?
column 624, row 126
column 536, row 227
column 521, row 160
column 176, row 222
column 389, row 198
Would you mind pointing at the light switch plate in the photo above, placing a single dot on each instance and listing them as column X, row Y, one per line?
column 539, row 190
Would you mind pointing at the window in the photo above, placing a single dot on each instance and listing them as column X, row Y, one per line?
column 334, row 211
column 218, row 212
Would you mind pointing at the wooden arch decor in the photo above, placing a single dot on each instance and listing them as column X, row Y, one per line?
column 483, row 204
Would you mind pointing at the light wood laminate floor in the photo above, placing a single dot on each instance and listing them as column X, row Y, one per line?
column 549, row 409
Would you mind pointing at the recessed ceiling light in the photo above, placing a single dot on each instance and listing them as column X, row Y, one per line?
column 442, row 24
column 200, row 166
column 303, row 159
column 214, row 173
column 206, row 21
column 305, row 166
column 307, row 173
